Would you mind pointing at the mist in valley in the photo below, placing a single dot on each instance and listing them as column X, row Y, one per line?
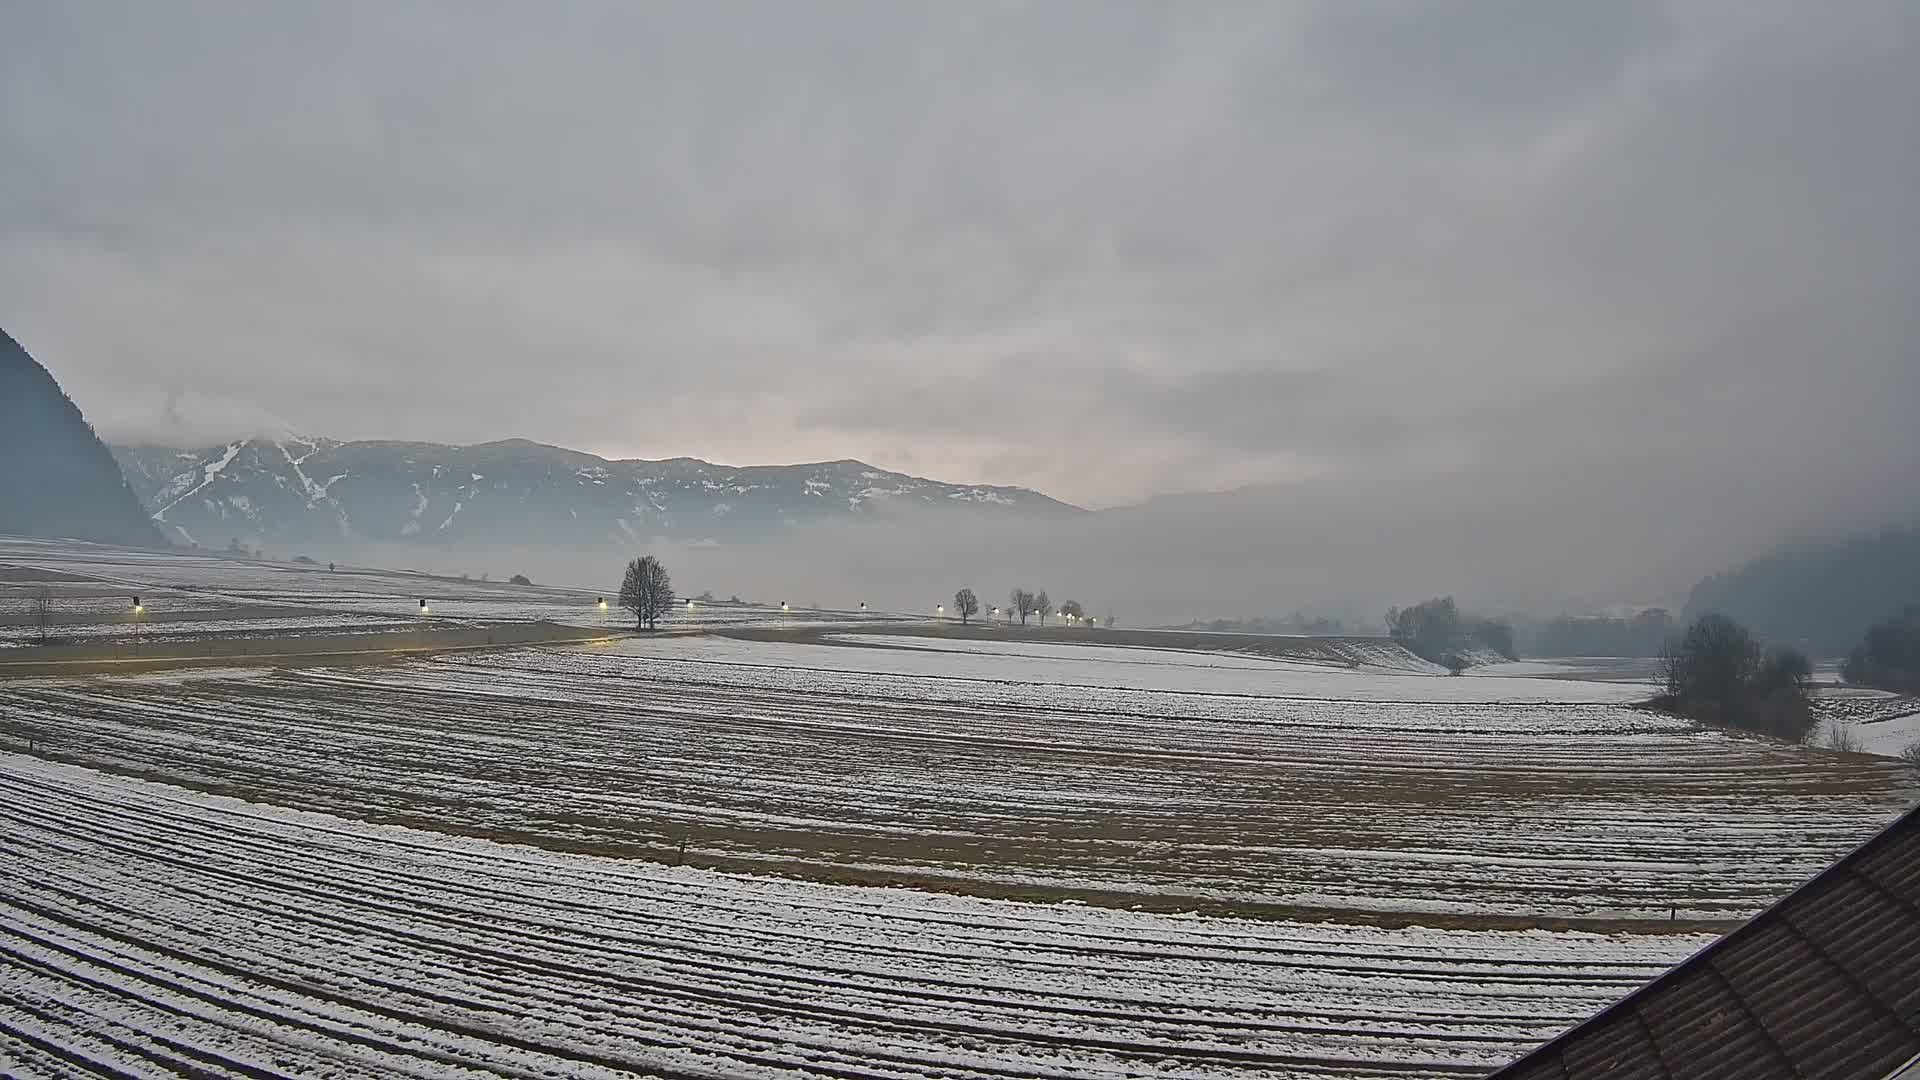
column 1321, row 306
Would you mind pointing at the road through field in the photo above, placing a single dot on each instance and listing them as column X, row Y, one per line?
column 149, row 930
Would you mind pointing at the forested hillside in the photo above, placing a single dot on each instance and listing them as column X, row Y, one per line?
column 58, row 478
column 1819, row 597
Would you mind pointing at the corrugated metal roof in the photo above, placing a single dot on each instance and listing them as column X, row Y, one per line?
column 1824, row 985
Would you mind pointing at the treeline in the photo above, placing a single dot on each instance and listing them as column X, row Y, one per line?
column 1642, row 634
column 1819, row 597
column 1024, row 604
column 1435, row 630
column 1294, row 625
column 1888, row 656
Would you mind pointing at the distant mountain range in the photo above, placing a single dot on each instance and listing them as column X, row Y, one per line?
column 306, row 491
column 60, row 481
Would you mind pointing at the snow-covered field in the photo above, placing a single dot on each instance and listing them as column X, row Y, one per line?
column 1882, row 723
column 185, row 593
column 1149, row 669
column 1103, row 860
column 156, row 633
column 1019, row 775
column 146, row 930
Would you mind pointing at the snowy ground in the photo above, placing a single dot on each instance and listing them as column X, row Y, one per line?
column 1882, row 723
column 1104, row 860
column 1020, row 775
column 187, row 593
column 1147, row 669
column 146, row 930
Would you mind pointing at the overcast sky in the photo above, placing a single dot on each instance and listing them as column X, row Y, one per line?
column 1109, row 250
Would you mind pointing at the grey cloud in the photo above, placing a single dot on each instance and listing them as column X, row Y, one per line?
column 1111, row 250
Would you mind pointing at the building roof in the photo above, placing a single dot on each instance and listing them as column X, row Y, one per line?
column 1823, row 985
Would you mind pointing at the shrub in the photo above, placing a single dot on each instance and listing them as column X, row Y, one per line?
column 1842, row 737
column 1715, row 672
column 1495, row 635
column 519, row 579
column 1430, row 630
column 1436, row 631
column 1784, row 669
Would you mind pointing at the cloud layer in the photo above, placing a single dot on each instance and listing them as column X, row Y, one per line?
column 1109, row 250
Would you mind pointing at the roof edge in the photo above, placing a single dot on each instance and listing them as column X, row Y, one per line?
column 1909, row 818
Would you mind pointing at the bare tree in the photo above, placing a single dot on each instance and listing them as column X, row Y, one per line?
column 1020, row 602
column 646, row 591
column 1430, row 630
column 1072, row 611
column 1716, row 672
column 1042, row 606
column 967, row 604
column 42, row 611
column 1712, row 662
column 1842, row 737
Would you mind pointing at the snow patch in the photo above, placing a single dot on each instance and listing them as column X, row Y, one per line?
column 212, row 470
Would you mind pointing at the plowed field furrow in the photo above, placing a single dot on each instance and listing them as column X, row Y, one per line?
column 200, row 837
column 737, row 975
column 1226, row 803
column 140, row 919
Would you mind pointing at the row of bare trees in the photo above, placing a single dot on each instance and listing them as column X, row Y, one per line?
column 647, row 592
column 1021, row 604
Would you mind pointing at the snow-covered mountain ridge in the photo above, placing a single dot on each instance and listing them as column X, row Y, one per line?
column 276, row 492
